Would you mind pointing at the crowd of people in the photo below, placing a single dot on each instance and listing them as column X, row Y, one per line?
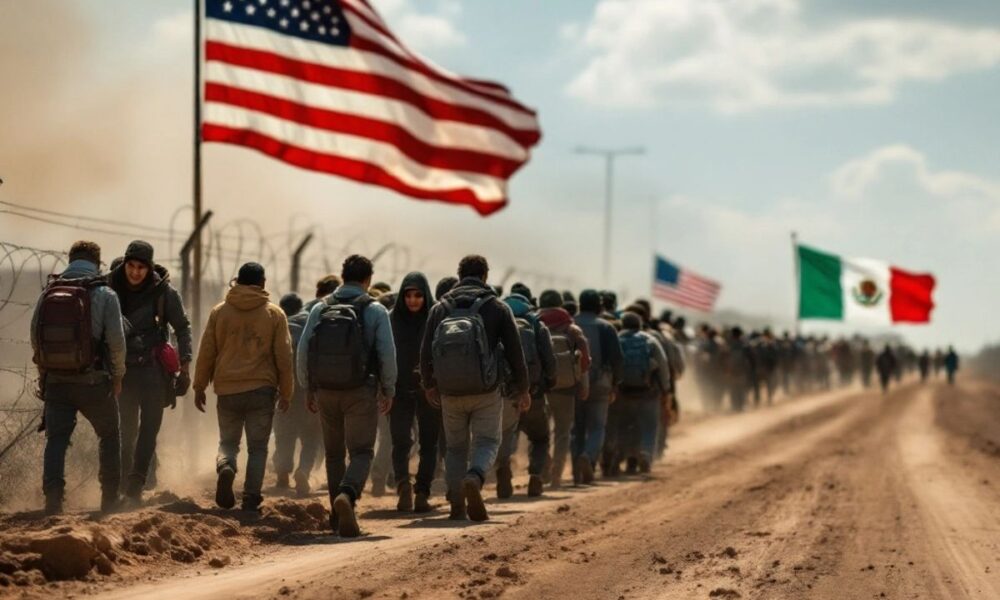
column 363, row 372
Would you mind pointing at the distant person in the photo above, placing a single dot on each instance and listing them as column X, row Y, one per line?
column 867, row 359
column 246, row 354
column 348, row 358
column 79, row 374
column 409, row 319
column 951, row 364
column 924, row 364
column 886, row 365
column 459, row 365
column 151, row 307
column 298, row 425
column 644, row 388
column 740, row 371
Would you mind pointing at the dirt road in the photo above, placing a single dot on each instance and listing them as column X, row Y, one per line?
column 842, row 495
column 848, row 494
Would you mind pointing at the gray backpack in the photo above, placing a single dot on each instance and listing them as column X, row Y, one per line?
column 567, row 362
column 464, row 363
column 527, row 329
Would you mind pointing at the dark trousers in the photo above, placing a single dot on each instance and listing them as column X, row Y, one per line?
column 144, row 394
column 535, row 425
column 407, row 407
column 296, row 425
column 253, row 412
column 350, row 423
column 95, row 402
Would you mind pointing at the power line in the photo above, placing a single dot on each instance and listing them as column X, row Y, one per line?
column 85, row 218
column 81, row 227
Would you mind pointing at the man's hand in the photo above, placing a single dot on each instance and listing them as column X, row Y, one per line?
column 311, row 404
column 524, row 402
column 200, row 400
column 384, row 404
column 283, row 404
column 116, row 388
column 433, row 397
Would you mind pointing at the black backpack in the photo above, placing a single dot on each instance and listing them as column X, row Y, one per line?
column 464, row 363
column 527, row 327
column 339, row 357
column 65, row 343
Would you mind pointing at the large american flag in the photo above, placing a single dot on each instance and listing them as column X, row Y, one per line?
column 324, row 85
column 682, row 287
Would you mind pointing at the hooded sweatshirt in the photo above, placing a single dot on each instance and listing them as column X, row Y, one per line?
column 245, row 346
column 522, row 308
column 408, row 333
column 140, row 307
column 560, row 322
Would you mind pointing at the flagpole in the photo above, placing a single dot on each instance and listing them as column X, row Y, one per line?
column 197, row 182
column 797, row 279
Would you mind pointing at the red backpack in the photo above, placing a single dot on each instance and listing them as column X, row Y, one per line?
column 63, row 330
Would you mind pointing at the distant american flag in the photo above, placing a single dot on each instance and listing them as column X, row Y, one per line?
column 324, row 85
column 684, row 288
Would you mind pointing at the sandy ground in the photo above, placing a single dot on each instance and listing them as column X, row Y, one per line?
column 847, row 494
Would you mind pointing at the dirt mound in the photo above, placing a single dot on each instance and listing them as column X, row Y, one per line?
column 179, row 532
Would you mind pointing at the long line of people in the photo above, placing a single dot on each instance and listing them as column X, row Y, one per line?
column 361, row 374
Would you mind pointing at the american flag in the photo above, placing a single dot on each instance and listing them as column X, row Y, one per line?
column 681, row 287
column 324, row 85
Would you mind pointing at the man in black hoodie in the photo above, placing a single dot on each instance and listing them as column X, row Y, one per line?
column 408, row 318
column 150, row 307
column 476, row 415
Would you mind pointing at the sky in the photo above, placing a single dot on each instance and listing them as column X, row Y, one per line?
column 867, row 127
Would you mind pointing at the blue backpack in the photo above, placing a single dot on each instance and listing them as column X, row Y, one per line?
column 637, row 367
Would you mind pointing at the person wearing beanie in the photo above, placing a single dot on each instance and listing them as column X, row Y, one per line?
column 643, row 394
column 569, row 343
column 151, row 307
column 591, row 415
column 444, row 286
column 246, row 354
column 297, row 424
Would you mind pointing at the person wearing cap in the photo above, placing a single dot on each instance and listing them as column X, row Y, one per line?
column 246, row 354
column 151, row 307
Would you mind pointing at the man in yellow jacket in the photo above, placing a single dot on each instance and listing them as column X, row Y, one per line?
column 246, row 352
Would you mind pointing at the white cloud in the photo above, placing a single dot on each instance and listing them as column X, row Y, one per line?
column 424, row 31
column 742, row 55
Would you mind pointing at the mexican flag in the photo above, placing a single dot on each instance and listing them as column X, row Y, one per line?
column 861, row 290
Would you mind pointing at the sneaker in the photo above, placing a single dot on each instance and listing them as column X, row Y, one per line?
column 534, row 486
column 347, row 522
column 302, row 487
column 505, row 485
column 586, row 471
column 224, row 488
column 472, row 491
column 422, row 503
column 251, row 503
column 405, row 491
column 282, row 483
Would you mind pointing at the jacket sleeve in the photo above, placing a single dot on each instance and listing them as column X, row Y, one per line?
column 178, row 319
column 662, row 364
column 302, row 350
column 33, row 334
column 512, row 349
column 114, row 334
column 385, row 346
column 282, row 349
column 204, row 368
column 676, row 357
column 611, row 350
column 547, row 357
column 426, row 359
column 580, row 340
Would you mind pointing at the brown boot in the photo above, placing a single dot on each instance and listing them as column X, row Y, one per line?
column 422, row 504
column 505, row 486
column 405, row 491
column 347, row 521
column 534, row 486
column 472, row 491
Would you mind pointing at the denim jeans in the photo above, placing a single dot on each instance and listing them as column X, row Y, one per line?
column 591, row 419
column 562, row 407
column 252, row 412
column 296, row 425
column 510, row 417
column 98, row 406
column 407, row 407
column 144, row 392
column 477, row 418
column 349, row 422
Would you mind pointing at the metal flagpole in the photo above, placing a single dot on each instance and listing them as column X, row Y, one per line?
column 797, row 279
column 197, row 255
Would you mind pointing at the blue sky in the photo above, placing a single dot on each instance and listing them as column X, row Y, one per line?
column 868, row 127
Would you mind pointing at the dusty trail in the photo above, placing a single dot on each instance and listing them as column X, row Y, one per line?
column 842, row 495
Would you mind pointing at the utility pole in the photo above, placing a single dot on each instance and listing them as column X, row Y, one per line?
column 197, row 254
column 609, row 155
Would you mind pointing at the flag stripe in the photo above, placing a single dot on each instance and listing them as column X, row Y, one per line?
column 358, row 170
column 394, row 162
column 685, row 288
column 442, row 134
column 378, row 84
column 683, row 293
column 682, row 300
column 347, row 123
